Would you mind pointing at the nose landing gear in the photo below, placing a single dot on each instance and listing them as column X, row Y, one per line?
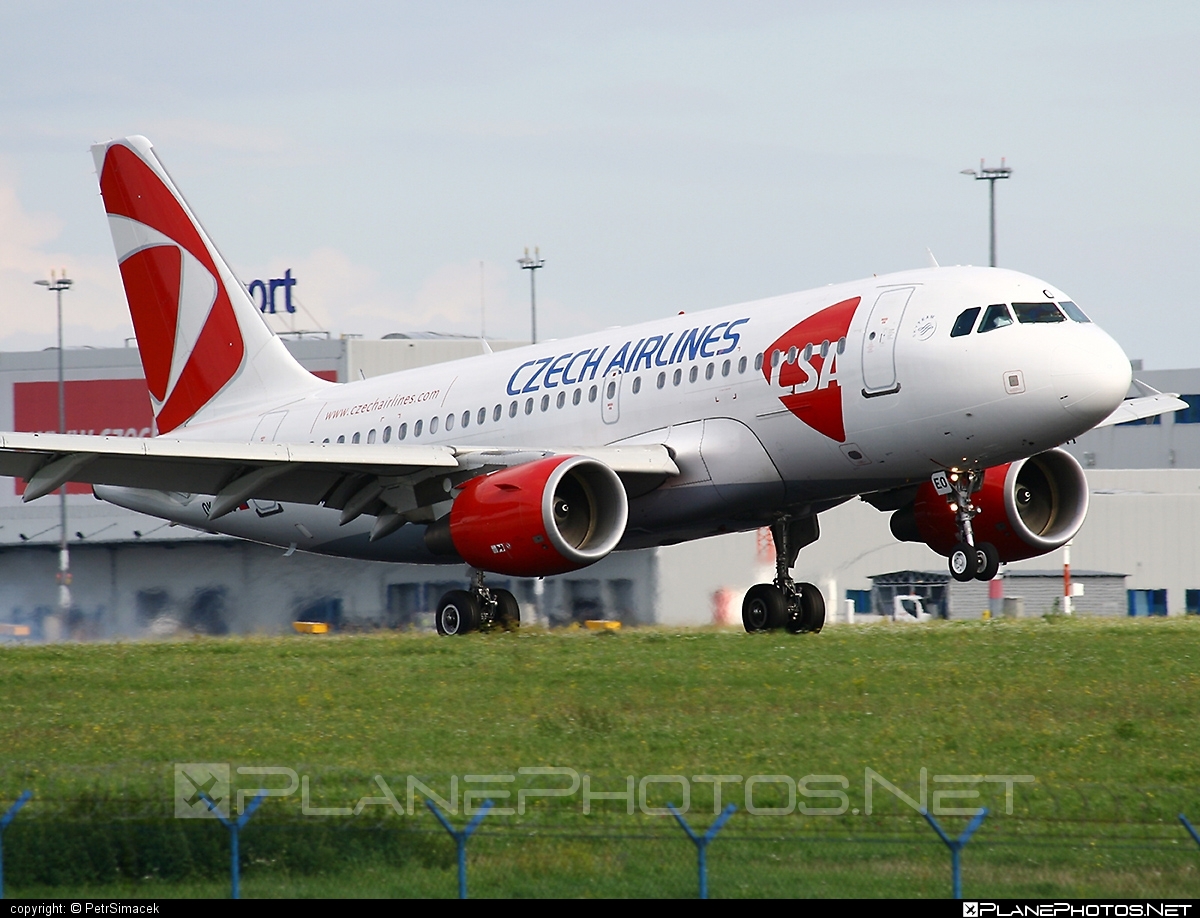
column 795, row 607
column 969, row 560
column 477, row 609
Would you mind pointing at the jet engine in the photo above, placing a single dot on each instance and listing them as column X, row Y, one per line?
column 545, row 517
column 1026, row 508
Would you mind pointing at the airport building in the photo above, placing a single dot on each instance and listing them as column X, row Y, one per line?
column 1139, row 550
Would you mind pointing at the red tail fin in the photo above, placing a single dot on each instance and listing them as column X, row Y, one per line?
column 196, row 327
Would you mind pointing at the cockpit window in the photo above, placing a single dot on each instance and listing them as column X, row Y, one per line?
column 1073, row 311
column 1035, row 313
column 996, row 316
column 965, row 322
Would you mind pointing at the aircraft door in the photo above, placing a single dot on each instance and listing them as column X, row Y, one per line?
column 610, row 397
column 268, row 427
column 879, row 342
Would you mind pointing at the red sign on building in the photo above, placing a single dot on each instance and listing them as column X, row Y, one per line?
column 102, row 407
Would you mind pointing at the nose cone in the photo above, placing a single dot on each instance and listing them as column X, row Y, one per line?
column 1091, row 375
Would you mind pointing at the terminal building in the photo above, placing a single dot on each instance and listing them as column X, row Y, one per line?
column 139, row 576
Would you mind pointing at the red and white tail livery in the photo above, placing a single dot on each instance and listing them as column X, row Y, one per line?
column 205, row 350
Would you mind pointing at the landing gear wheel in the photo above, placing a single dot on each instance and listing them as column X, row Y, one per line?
column 764, row 608
column 457, row 613
column 508, row 613
column 987, row 561
column 812, row 608
column 963, row 562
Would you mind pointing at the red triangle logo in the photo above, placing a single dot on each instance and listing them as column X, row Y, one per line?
column 803, row 361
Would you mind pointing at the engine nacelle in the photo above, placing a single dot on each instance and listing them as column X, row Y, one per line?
column 1026, row 508
column 545, row 517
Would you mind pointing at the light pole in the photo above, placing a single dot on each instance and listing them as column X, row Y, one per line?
column 991, row 176
column 531, row 265
column 59, row 283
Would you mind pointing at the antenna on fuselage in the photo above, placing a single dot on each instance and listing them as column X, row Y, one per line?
column 932, row 261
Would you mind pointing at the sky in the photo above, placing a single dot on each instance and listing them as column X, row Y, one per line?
column 399, row 157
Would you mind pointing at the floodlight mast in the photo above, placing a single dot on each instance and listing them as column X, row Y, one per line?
column 991, row 176
column 531, row 265
column 59, row 283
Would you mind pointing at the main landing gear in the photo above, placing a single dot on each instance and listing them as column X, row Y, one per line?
column 795, row 607
column 969, row 560
column 477, row 609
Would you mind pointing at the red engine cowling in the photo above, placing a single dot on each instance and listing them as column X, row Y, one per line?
column 1026, row 508
column 545, row 517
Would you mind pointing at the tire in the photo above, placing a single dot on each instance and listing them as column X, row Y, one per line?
column 812, row 609
column 508, row 613
column 987, row 561
column 457, row 613
column 963, row 562
column 764, row 608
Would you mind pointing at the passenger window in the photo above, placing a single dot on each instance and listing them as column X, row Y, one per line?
column 342, row 438
column 357, row 438
column 612, row 390
column 417, row 428
column 995, row 317
column 1037, row 313
column 965, row 322
column 545, row 402
column 402, row 432
column 387, row 434
column 371, row 436
column 512, row 410
column 433, row 426
column 695, row 371
column 637, row 385
column 725, row 368
column 529, row 406
column 677, row 378
column 449, row 423
column 742, row 364
column 483, row 415
column 576, row 396
column 708, row 371
column 326, row 440
column 561, row 400
column 1073, row 311
column 842, row 345
column 662, row 380
column 592, row 394
column 496, row 412
column 758, row 360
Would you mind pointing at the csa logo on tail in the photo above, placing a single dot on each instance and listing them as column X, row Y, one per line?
column 804, row 360
column 190, row 342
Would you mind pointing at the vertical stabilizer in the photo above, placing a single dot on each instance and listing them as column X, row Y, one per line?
column 205, row 349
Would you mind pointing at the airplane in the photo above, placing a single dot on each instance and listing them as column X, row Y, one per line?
column 939, row 395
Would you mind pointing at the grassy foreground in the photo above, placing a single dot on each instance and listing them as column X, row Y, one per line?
column 1073, row 703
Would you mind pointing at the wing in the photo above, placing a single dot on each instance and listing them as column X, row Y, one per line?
column 1147, row 404
column 353, row 478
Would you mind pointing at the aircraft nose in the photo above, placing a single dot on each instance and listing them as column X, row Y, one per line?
column 1092, row 375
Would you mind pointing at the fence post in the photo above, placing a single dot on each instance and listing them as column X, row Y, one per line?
column 234, row 827
column 460, row 837
column 4, row 821
column 701, row 841
column 1191, row 830
column 956, row 844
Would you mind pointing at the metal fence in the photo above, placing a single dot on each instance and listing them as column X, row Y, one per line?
column 1117, row 843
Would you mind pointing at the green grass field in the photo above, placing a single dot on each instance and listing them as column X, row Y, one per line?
column 1103, row 715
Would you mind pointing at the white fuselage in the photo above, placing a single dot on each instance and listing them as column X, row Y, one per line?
column 900, row 400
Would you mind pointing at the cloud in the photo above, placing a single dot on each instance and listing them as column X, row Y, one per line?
column 94, row 311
